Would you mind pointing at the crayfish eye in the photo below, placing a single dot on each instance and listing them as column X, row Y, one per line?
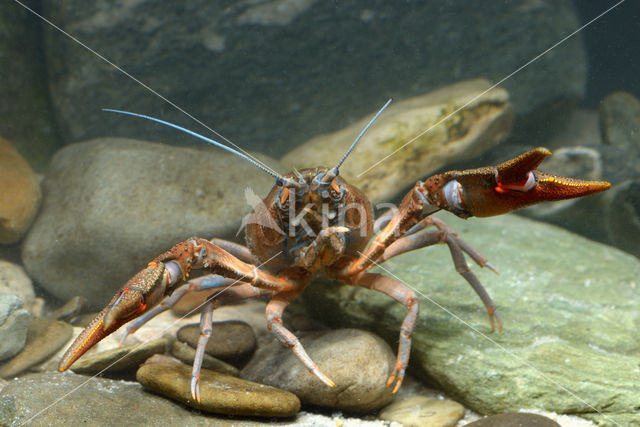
column 284, row 197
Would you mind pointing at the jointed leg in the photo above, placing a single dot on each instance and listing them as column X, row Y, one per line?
column 405, row 296
column 445, row 234
column 275, row 308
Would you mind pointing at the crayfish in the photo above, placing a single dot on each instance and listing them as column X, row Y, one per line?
column 313, row 221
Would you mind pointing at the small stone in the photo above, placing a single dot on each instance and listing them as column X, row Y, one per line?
column 70, row 310
column 186, row 354
column 14, row 281
column 357, row 361
column 20, row 195
column 418, row 411
column 219, row 393
column 520, row 419
column 232, row 341
column 120, row 359
column 44, row 339
column 14, row 323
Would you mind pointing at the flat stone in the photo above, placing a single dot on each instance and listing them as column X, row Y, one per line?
column 464, row 119
column 46, row 398
column 154, row 195
column 120, row 359
column 519, row 419
column 219, row 393
column 357, row 361
column 568, row 306
column 20, row 195
column 14, row 324
column 187, row 354
column 44, row 339
column 232, row 341
column 419, row 411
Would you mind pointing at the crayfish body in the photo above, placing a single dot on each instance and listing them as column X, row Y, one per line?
column 313, row 221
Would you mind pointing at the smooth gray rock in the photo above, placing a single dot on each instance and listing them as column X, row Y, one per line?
column 14, row 281
column 274, row 73
column 112, row 205
column 14, row 323
column 44, row 339
column 568, row 305
column 357, row 361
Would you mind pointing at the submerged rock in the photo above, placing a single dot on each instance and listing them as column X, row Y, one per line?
column 232, row 341
column 129, row 202
column 219, row 393
column 20, row 195
column 14, row 281
column 515, row 420
column 44, row 339
column 14, row 323
column 419, row 411
column 568, row 305
column 120, row 359
column 357, row 361
column 620, row 122
column 462, row 120
column 288, row 70
column 47, row 398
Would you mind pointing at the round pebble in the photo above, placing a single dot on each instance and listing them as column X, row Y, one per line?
column 232, row 341
column 418, row 411
column 359, row 363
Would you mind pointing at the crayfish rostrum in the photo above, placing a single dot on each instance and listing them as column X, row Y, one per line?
column 313, row 221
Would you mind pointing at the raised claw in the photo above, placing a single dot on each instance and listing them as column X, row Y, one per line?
column 142, row 292
column 496, row 190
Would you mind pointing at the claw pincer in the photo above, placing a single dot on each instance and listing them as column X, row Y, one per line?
column 496, row 190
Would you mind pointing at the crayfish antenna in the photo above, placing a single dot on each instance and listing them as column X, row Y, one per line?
column 334, row 171
column 253, row 162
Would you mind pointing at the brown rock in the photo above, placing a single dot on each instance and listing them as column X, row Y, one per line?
column 20, row 195
column 219, row 393
column 186, row 353
column 232, row 341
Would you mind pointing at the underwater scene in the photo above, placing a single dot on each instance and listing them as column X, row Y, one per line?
column 305, row 212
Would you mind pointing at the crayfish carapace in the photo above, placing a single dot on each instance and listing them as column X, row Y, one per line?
column 313, row 221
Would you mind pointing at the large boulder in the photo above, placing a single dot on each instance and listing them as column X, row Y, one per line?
column 568, row 305
column 111, row 205
column 277, row 72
